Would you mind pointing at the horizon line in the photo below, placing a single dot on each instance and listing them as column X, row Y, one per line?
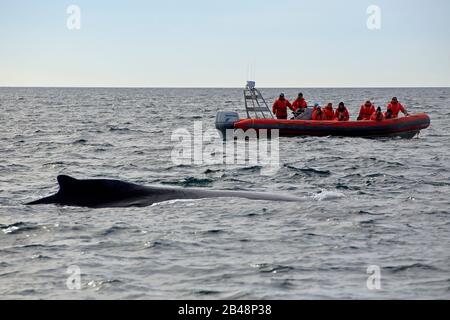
column 226, row 87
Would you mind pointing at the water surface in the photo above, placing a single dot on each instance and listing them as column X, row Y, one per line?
column 367, row 202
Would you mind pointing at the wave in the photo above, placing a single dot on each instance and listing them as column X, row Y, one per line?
column 272, row 268
column 17, row 227
column 401, row 268
column 250, row 169
column 325, row 195
column 309, row 171
column 214, row 231
column 118, row 129
column 208, row 171
column 80, row 141
column 204, row 292
column 113, row 230
column 178, row 166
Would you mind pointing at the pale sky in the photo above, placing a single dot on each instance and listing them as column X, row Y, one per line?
column 207, row 43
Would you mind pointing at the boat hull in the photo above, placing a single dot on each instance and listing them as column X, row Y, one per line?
column 405, row 127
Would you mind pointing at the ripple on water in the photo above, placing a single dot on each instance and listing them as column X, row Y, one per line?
column 80, row 141
column 119, row 129
column 272, row 268
column 18, row 227
column 325, row 195
column 114, row 230
column 407, row 267
column 310, row 171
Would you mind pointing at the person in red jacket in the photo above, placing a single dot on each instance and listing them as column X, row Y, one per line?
column 318, row 114
column 280, row 106
column 396, row 107
column 366, row 111
column 341, row 113
column 299, row 103
column 329, row 112
column 377, row 115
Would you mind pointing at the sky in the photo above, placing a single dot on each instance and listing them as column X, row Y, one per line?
column 207, row 43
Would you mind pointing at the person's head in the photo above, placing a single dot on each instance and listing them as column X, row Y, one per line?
column 319, row 110
column 368, row 103
column 394, row 100
column 282, row 96
column 330, row 105
column 300, row 95
column 341, row 106
column 379, row 110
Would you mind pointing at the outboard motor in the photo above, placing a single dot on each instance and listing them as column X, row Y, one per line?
column 225, row 120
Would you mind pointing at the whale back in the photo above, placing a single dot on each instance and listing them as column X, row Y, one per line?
column 101, row 193
column 93, row 192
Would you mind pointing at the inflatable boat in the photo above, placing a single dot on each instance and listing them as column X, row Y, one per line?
column 260, row 117
column 405, row 127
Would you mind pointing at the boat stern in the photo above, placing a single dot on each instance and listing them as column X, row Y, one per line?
column 226, row 120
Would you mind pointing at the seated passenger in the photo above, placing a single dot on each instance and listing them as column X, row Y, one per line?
column 299, row 103
column 341, row 113
column 329, row 112
column 396, row 107
column 280, row 106
column 366, row 111
column 377, row 115
column 318, row 114
column 388, row 114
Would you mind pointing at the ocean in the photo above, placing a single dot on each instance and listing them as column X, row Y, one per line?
column 373, row 224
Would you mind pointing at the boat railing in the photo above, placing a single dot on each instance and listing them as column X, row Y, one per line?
column 255, row 104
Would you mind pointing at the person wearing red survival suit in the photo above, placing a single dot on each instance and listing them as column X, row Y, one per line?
column 329, row 112
column 396, row 107
column 280, row 106
column 341, row 113
column 377, row 115
column 318, row 114
column 366, row 111
column 300, row 102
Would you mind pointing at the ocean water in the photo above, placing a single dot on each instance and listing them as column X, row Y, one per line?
column 382, row 203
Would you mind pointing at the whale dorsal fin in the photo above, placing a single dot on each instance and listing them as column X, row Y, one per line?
column 66, row 182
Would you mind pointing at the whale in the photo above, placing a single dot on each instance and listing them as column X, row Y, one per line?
column 105, row 193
